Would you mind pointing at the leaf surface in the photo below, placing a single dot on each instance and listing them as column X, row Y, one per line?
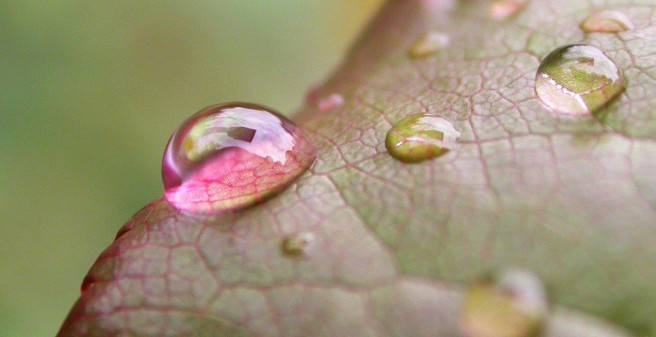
column 572, row 199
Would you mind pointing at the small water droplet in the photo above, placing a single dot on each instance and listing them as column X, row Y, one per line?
column 428, row 44
column 513, row 304
column 578, row 79
column 87, row 283
column 503, row 9
column 607, row 22
column 420, row 137
column 331, row 102
column 297, row 244
column 230, row 156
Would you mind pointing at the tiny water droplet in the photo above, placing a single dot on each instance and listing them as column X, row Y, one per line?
column 513, row 304
column 230, row 156
column 86, row 283
column 428, row 44
column 578, row 79
column 331, row 102
column 607, row 22
column 420, row 137
column 503, row 9
column 297, row 244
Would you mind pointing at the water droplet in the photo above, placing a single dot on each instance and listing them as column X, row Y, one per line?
column 420, row 137
column 87, row 283
column 578, row 79
column 428, row 44
column 297, row 244
column 503, row 9
column 230, row 156
column 514, row 304
column 607, row 22
column 331, row 102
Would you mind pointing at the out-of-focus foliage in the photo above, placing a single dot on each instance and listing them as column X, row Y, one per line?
column 89, row 94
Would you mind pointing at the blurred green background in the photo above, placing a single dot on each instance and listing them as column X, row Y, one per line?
column 90, row 93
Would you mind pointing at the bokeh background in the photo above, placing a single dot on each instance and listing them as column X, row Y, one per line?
column 90, row 91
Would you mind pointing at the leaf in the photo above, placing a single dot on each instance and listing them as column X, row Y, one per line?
column 572, row 199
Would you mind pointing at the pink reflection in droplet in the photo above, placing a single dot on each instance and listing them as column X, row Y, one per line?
column 230, row 156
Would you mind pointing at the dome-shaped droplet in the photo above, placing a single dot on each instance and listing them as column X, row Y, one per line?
column 578, row 79
column 428, row 44
column 331, row 102
column 420, row 137
column 503, row 9
column 513, row 304
column 607, row 22
column 87, row 282
column 297, row 244
column 230, row 156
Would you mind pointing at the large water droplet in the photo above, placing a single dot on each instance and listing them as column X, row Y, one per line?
column 297, row 244
column 503, row 9
column 513, row 304
column 420, row 137
column 607, row 22
column 578, row 79
column 428, row 44
column 229, row 156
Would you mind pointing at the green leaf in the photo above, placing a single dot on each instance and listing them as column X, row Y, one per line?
column 571, row 199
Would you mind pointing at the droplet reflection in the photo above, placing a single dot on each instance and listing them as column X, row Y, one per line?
column 229, row 156
column 513, row 304
column 578, row 79
column 607, row 22
column 504, row 9
column 297, row 244
column 428, row 44
column 331, row 102
column 420, row 137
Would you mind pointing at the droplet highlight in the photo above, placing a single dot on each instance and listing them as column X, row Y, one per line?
column 428, row 44
column 504, row 9
column 230, row 156
column 578, row 79
column 607, row 21
column 513, row 304
column 420, row 137
column 331, row 102
column 297, row 244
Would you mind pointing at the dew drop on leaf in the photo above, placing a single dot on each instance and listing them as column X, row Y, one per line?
column 331, row 102
column 230, row 156
column 420, row 137
column 428, row 44
column 578, row 79
column 503, row 9
column 606, row 22
column 297, row 244
column 512, row 304
column 86, row 283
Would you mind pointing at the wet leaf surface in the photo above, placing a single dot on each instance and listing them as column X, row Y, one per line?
column 572, row 199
